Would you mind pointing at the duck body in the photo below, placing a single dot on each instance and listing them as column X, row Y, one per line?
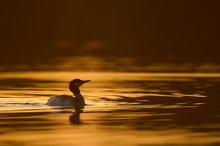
column 67, row 100
column 61, row 100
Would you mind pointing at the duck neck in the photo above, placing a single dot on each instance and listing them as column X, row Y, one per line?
column 79, row 98
column 75, row 91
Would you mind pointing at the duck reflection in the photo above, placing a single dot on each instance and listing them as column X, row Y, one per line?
column 75, row 117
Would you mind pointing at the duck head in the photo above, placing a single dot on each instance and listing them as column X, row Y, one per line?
column 75, row 84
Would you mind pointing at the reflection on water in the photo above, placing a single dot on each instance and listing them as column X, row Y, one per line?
column 122, row 109
column 75, row 117
column 116, row 64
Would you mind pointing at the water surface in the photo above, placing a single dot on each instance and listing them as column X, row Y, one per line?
column 123, row 108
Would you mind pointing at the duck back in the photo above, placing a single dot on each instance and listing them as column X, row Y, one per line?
column 61, row 100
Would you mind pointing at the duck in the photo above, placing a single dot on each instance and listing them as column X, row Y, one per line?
column 67, row 100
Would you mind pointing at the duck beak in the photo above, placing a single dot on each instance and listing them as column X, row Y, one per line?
column 85, row 81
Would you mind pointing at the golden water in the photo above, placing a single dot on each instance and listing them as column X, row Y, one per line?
column 123, row 108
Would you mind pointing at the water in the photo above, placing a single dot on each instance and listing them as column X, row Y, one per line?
column 123, row 108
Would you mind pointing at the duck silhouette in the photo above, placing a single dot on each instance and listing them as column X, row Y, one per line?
column 66, row 100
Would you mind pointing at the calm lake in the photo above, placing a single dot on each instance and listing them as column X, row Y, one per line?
column 123, row 108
